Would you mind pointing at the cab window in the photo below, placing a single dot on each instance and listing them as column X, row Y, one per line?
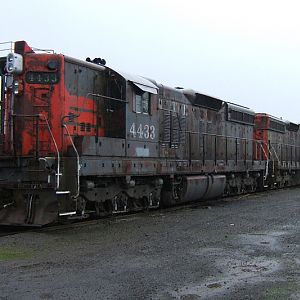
column 142, row 102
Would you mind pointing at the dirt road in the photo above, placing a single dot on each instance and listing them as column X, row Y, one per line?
column 242, row 248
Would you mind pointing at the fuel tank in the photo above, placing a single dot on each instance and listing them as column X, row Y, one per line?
column 203, row 187
column 195, row 188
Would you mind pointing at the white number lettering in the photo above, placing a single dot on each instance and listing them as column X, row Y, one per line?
column 132, row 130
column 140, row 131
column 146, row 131
column 152, row 132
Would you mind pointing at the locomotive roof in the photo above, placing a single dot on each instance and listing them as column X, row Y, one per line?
column 140, row 82
column 171, row 93
column 271, row 117
column 291, row 126
column 203, row 100
column 240, row 108
column 83, row 63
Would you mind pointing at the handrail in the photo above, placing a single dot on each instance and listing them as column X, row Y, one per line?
column 270, row 149
column 78, row 161
column 105, row 97
column 231, row 137
column 275, row 153
column 267, row 164
column 10, row 48
column 57, row 151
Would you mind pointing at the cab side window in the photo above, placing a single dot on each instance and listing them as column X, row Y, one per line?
column 142, row 102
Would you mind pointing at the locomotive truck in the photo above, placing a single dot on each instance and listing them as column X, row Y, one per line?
column 80, row 139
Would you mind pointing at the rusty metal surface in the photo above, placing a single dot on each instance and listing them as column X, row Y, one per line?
column 216, row 186
column 30, row 207
column 103, row 127
column 202, row 187
column 195, row 187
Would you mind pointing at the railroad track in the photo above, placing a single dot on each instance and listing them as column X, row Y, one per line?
column 7, row 230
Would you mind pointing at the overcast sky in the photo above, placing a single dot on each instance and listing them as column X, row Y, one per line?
column 247, row 52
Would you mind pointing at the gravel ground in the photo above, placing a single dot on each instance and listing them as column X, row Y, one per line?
column 241, row 248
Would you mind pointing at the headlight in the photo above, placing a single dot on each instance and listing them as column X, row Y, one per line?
column 9, row 67
column 14, row 63
column 17, row 87
column 10, row 57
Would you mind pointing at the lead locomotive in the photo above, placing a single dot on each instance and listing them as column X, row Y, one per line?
column 78, row 138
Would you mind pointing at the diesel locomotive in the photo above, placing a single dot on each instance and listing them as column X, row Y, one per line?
column 80, row 139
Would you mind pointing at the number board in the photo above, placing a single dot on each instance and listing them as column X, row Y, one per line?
column 42, row 77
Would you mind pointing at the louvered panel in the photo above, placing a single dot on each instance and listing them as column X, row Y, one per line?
column 182, row 130
column 166, row 128
column 175, row 131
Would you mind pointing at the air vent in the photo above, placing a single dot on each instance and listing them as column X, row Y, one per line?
column 82, row 126
column 88, row 127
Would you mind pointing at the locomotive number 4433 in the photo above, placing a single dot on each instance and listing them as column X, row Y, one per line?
column 142, row 131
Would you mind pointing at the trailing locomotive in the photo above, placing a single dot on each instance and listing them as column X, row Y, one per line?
column 79, row 138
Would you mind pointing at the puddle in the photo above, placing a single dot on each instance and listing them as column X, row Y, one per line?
column 234, row 271
column 252, row 260
column 265, row 241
